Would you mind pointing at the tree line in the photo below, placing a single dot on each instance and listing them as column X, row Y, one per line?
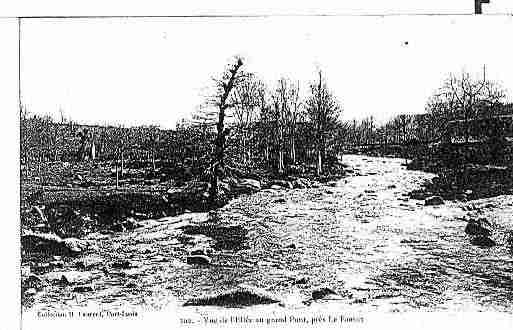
column 286, row 127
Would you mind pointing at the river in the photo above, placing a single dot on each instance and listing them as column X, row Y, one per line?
column 361, row 237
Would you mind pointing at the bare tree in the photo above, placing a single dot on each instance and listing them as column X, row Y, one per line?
column 152, row 140
column 220, row 99
column 279, row 119
column 283, row 116
column 323, row 111
column 265, row 120
column 119, row 138
column 465, row 99
column 246, row 101
column 295, row 114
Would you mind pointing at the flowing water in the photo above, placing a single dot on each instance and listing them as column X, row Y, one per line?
column 360, row 236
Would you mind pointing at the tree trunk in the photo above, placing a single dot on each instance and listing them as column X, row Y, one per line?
column 280, row 154
column 122, row 163
column 293, row 149
column 153, row 162
column 244, row 149
column 319, row 162
column 117, row 174
column 249, row 147
column 218, row 159
column 280, row 162
column 218, row 165
column 93, row 151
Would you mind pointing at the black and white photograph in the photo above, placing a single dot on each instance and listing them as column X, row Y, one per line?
column 266, row 171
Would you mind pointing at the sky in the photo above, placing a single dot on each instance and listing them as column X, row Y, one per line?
column 134, row 71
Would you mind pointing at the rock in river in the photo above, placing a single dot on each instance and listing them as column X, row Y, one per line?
column 50, row 244
column 123, row 264
column 324, row 293
column 198, row 259
column 301, row 183
column 282, row 183
column 476, row 227
column 71, row 277
column 74, row 245
column 89, row 262
column 482, row 241
column 434, row 200
column 33, row 281
column 83, row 288
column 247, row 186
column 243, row 295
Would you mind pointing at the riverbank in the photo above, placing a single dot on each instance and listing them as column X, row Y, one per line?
column 465, row 181
column 75, row 199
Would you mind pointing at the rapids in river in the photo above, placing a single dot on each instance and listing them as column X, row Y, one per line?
column 361, row 236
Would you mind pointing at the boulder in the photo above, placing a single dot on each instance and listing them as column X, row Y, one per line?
column 70, row 277
column 300, row 281
column 243, row 295
column 30, row 292
column 477, row 227
column 300, row 183
column 75, row 245
column 33, row 281
column 89, row 263
column 198, row 252
column 57, row 264
column 192, row 189
column 323, row 293
column 83, row 288
column 482, row 241
column 131, row 223
column 123, row 264
column 417, row 194
column 282, row 183
column 50, row 244
column 434, row 200
column 199, row 259
column 247, row 186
